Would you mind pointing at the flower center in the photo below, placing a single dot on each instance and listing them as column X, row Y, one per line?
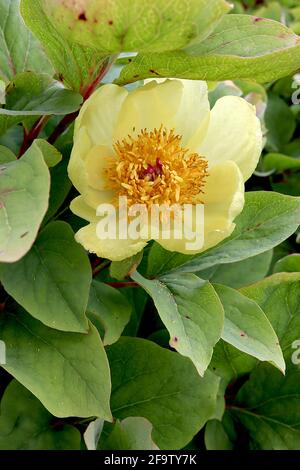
column 154, row 168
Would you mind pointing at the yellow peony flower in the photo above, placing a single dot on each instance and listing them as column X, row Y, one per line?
column 162, row 144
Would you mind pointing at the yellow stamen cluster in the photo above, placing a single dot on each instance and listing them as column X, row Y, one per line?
column 154, row 168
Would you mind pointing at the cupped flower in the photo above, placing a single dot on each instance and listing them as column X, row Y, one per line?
column 161, row 145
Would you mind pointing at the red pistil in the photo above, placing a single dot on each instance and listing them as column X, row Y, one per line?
column 152, row 171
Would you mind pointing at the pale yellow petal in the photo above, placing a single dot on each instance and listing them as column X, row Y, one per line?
column 100, row 113
column 234, row 133
column 76, row 168
column 81, row 209
column 94, row 198
column 192, row 119
column 223, row 200
column 115, row 250
column 176, row 104
column 97, row 161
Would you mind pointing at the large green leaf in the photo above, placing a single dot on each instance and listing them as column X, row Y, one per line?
column 268, row 405
column 31, row 95
column 216, row 437
column 266, row 221
column 67, row 372
column 118, row 25
column 248, row 329
column 108, row 310
column 52, row 281
column 19, row 50
column 241, row 46
column 78, row 67
column 191, row 312
column 24, row 193
column 279, row 297
column 26, row 425
column 241, row 273
column 132, row 433
column 163, row 387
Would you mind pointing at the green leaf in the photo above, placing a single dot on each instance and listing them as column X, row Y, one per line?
column 109, row 311
column 19, row 50
column 51, row 155
column 280, row 122
column 290, row 264
column 67, row 372
column 132, row 433
column 163, row 387
column 279, row 297
column 191, row 312
column 241, row 273
column 24, row 193
column 31, row 95
column 230, row 363
column 6, row 155
column 241, row 47
column 52, row 281
column 216, row 437
column 267, row 220
column 280, row 162
column 160, row 261
column 26, row 425
column 75, row 65
column 248, row 329
column 13, row 139
column 119, row 26
column 268, row 405
column 121, row 269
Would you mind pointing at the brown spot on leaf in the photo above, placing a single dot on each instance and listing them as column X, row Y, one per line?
column 24, row 235
column 243, row 334
column 256, row 19
column 82, row 16
column 110, row 22
column 154, row 71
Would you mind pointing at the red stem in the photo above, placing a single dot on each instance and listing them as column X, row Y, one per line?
column 86, row 93
column 30, row 136
column 98, row 267
column 123, row 284
column 67, row 120
column 62, row 126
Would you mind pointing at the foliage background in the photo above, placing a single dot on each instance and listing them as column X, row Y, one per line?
column 88, row 360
